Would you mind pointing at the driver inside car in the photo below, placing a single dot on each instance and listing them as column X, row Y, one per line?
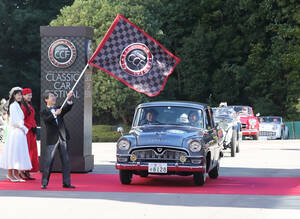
column 261, row 120
column 150, row 118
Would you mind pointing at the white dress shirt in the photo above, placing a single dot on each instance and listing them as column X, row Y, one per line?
column 53, row 111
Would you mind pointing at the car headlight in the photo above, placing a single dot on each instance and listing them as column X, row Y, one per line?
column 123, row 144
column 274, row 128
column 252, row 122
column 195, row 146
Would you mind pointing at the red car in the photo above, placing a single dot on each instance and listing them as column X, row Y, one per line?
column 249, row 122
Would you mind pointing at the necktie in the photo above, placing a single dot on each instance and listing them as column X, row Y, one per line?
column 53, row 109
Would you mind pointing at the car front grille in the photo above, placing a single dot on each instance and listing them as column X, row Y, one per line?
column 244, row 125
column 158, row 155
column 267, row 133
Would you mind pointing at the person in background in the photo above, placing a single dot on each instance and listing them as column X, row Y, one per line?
column 12, row 90
column 3, row 126
column 30, row 123
column 15, row 156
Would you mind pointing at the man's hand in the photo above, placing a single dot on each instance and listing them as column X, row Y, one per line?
column 58, row 112
column 69, row 95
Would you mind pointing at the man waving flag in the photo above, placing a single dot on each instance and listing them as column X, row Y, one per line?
column 135, row 58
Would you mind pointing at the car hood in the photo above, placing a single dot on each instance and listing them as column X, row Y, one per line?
column 164, row 135
column 244, row 119
column 268, row 126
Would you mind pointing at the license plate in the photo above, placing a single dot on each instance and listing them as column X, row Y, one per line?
column 157, row 168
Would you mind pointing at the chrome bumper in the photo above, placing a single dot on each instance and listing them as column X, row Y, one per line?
column 171, row 167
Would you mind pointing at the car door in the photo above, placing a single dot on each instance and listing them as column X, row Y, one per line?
column 213, row 137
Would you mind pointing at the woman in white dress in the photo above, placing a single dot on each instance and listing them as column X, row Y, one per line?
column 15, row 156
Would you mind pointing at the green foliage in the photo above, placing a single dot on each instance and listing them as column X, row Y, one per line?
column 110, row 95
column 239, row 51
column 20, row 23
column 107, row 133
column 274, row 59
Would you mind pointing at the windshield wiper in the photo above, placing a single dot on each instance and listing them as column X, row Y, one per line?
column 173, row 124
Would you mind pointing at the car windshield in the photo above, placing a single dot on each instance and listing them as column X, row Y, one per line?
column 223, row 112
column 169, row 115
column 269, row 119
column 242, row 110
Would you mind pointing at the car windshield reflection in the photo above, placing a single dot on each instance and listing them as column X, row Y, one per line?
column 169, row 115
column 242, row 110
column 272, row 119
column 223, row 113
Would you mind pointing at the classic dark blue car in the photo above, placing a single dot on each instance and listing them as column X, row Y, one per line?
column 170, row 138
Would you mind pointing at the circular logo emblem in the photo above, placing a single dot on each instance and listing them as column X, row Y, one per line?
column 62, row 53
column 136, row 59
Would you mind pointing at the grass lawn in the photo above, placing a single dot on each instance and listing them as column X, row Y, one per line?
column 107, row 133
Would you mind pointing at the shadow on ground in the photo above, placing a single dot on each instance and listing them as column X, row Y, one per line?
column 191, row 200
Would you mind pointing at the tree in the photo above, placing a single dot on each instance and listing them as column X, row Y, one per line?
column 274, row 60
column 239, row 51
column 20, row 22
column 110, row 95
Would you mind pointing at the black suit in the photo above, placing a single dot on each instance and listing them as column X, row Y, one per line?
column 56, row 138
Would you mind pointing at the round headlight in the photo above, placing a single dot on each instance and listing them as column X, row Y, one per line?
column 123, row 144
column 252, row 122
column 195, row 146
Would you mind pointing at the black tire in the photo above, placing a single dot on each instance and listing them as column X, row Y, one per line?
column 238, row 148
column 255, row 137
column 144, row 174
column 238, row 144
column 199, row 178
column 214, row 173
column 233, row 144
column 125, row 176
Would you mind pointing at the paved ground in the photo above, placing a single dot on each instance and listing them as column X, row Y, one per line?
column 257, row 159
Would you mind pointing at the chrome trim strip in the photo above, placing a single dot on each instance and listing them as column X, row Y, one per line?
column 158, row 146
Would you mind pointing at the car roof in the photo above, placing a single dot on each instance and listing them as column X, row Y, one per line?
column 238, row 106
column 174, row 103
column 270, row 117
column 222, row 107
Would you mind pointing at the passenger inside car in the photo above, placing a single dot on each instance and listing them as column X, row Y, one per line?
column 194, row 119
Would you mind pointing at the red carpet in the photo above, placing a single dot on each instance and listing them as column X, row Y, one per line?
column 166, row 184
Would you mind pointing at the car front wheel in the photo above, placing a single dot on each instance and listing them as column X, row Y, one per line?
column 199, row 178
column 214, row 173
column 125, row 176
column 233, row 144
column 144, row 174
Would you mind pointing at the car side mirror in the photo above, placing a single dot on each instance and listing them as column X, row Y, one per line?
column 120, row 130
column 257, row 114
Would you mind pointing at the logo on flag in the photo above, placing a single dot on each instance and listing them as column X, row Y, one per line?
column 135, row 58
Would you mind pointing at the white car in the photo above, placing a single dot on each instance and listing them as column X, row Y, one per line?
column 228, row 121
column 272, row 127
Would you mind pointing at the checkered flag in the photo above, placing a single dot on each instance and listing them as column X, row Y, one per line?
column 135, row 58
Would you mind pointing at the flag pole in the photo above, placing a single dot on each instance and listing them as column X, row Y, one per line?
column 82, row 73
